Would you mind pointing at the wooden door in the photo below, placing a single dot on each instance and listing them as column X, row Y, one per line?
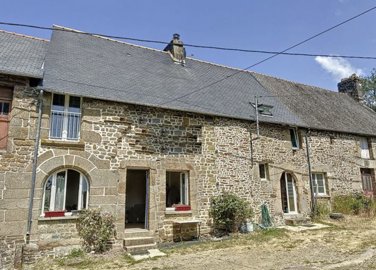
column 5, row 110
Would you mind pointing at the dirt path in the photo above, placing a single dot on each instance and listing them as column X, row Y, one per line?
column 349, row 244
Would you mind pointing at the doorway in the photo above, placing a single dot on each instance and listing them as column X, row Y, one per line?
column 289, row 194
column 137, row 203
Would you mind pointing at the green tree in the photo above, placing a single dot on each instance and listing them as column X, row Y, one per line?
column 369, row 88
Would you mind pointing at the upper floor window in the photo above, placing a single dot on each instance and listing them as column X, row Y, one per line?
column 319, row 184
column 364, row 148
column 263, row 171
column 65, row 117
column 294, row 138
column 65, row 190
column 5, row 107
column 177, row 189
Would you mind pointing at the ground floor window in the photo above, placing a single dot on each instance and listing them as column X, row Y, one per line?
column 319, row 184
column 177, row 189
column 65, row 190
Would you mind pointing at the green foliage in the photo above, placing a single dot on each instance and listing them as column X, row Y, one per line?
column 369, row 88
column 354, row 204
column 76, row 253
column 228, row 212
column 96, row 229
column 322, row 210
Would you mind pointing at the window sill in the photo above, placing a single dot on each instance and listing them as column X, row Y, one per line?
column 322, row 196
column 57, row 218
column 63, row 144
column 173, row 212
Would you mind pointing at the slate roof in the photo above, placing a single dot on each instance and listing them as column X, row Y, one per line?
column 22, row 55
column 97, row 67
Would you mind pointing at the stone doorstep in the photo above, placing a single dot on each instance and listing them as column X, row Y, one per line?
column 140, row 249
column 134, row 241
column 295, row 220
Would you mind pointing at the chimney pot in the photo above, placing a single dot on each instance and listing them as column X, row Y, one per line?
column 351, row 86
column 176, row 49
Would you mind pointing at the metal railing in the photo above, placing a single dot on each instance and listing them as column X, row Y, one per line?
column 65, row 125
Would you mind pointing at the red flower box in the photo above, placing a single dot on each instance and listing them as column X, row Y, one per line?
column 54, row 214
column 182, row 208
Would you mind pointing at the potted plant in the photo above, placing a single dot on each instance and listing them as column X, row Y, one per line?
column 54, row 213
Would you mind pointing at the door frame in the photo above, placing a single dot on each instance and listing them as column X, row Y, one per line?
column 147, row 195
column 294, row 190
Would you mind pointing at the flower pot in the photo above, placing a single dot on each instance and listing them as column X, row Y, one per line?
column 54, row 214
column 182, row 208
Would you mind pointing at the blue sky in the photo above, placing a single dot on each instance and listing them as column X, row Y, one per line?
column 265, row 25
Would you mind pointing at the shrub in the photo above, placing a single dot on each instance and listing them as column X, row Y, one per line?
column 228, row 212
column 322, row 210
column 354, row 204
column 96, row 229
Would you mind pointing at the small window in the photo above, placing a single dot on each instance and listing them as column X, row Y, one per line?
column 264, row 171
column 177, row 189
column 5, row 108
column 67, row 191
column 294, row 138
column 319, row 184
column 364, row 148
column 65, row 117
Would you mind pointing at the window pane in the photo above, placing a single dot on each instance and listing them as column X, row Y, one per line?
column 84, row 192
column 47, row 195
column 74, row 104
column 262, row 171
column 294, row 141
column 57, row 122
column 60, row 188
column 73, row 129
column 58, row 102
column 5, row 109
column 73, row 185
column 172, row 188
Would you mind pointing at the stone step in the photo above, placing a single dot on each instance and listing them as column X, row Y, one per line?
column 140, row 249
column 135, row 241
column 132, row 233
column 297, row 220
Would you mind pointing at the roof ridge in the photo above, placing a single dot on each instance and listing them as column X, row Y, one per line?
column 23, row 35
column 294, row 82
column 107, row 38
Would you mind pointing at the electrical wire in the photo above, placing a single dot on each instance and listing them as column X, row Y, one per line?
column 275, row 55
column 188, row 44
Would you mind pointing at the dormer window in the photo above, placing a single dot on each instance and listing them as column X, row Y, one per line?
column 65, row 117
column 364, row 148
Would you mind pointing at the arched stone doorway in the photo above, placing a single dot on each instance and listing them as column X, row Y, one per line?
column 289, row 193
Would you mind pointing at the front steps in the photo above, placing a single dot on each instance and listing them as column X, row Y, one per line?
column 138, row 241
column 297, row 220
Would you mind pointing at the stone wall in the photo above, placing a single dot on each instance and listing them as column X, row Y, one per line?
column 219, row 154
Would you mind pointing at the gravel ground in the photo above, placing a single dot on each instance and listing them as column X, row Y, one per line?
column 349, row 244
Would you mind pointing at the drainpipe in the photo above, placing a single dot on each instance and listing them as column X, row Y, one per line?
column 34, row 172
column 313, row 197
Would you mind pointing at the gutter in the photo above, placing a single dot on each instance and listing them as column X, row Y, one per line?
column 34, row 169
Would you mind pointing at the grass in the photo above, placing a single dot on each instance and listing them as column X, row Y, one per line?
column 234, row 240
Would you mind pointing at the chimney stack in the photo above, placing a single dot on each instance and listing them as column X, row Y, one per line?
column 176, row 49
column 351, row 86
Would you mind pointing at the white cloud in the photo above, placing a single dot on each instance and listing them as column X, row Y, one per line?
column 338, row 67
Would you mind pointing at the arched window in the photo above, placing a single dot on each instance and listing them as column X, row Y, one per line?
column 65, row 190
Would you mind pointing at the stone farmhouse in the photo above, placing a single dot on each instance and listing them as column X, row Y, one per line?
column 150, row 137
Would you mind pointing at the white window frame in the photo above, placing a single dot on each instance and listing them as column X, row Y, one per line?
column 296, row 136
column 364, row 148
column 266, row 171
column 316, row 187
column 184, row 177
column 53, row 192
column 64, row 136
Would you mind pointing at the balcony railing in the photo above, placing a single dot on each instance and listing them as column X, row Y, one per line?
column 65, row 125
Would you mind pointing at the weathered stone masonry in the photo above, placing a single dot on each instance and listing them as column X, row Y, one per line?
column 220, row 154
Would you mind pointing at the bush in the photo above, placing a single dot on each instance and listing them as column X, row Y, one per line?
column 354, row 204
column 228, row 212
column 322, row 210
column 96, row 229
